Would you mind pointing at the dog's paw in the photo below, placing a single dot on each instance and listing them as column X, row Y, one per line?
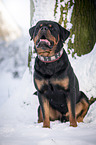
column 73, row 123
column 46, row 124
column 80, row 119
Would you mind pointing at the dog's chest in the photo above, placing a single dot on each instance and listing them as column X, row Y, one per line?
column 53, row 84
column 55, row 90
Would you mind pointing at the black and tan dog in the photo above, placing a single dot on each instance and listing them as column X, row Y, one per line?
column 55, row 81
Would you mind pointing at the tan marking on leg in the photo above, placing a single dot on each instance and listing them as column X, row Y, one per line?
column 71, row 118
column 79, row 108
column 40, row 116
column 46, row 121
column 54, row 114
column 79, row 119
column 84, row 110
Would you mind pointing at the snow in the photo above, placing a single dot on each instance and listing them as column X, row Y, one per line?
column 13, row 63
column 44, row 9
column 18, row 115
column 7, row 85
column 19, row 10
column 73, row 37
column 8, row 28
column 18, row 105
column 87, row 71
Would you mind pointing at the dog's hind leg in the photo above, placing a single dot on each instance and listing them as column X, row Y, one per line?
column 82, row 107
column 53, row 114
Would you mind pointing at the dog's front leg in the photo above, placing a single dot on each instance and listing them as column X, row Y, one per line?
column 71, row 110
column 71, row 102
column 44, row 104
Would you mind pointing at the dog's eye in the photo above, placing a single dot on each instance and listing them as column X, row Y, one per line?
column 41, row 25
column 50, row 26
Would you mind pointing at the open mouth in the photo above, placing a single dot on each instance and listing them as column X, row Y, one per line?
column 44, row 42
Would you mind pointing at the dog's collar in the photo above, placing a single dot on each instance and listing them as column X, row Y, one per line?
column 51, row 58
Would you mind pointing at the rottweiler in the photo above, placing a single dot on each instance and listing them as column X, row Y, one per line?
column 56, row 83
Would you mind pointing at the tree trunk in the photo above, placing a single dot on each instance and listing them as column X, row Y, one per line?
column 39, row 10
column 32, row 10
column 78, row 16
column 83, row 22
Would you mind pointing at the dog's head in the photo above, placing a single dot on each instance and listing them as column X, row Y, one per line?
column 48, row 37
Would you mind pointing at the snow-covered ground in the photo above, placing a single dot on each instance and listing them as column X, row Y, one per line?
column 13, row 63
column 13, row 54
column 18, row 115
column 18, row 105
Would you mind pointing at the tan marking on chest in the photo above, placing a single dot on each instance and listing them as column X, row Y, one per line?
column 40, row 83
column 62, row 82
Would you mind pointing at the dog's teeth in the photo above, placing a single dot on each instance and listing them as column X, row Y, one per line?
column 45, row 40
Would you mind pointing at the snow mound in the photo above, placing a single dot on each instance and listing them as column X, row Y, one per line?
column 85, row 69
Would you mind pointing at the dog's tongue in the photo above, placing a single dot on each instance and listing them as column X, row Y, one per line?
column 45, row 40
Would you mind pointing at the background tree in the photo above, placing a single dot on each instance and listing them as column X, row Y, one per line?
column 39, row 9
column 83, row 22
column 78, row 16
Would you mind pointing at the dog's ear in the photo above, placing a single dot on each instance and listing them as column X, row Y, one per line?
column 31, row 31
column 64, row 34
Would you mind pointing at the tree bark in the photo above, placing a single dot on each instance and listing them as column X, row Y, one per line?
column 39, row 10
column 32, row 10
column 83, row 22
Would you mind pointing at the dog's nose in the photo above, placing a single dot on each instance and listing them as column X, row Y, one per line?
column 44, row 28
